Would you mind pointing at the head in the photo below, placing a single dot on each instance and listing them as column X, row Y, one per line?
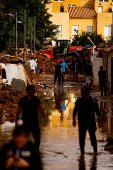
column 60, row 63
column 101, row 68
column 30, row 90
column 31, row 58
column 21, row 136
column 85, row 91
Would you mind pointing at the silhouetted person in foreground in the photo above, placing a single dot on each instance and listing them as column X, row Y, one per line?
column 102, row 80
column 86, row 106
column 20, row 153
column 29, row 106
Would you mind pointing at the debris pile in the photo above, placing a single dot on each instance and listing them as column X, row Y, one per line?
column 9, row 95
column 10, row 59
column 8, row 103
column 45, row 65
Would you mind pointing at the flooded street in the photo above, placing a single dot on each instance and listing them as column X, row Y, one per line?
column 59, row 142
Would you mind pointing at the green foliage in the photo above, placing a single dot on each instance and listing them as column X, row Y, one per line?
column 82, row 39
column 44, row 27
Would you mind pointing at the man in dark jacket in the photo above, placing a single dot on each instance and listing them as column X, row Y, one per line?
column 86, row 106
column 102, row 80
column 20, row 153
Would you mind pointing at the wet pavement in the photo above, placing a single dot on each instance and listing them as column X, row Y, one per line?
column 59, row 142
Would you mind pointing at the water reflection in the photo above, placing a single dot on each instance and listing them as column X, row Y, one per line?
column 60, row 137
column 92, row 162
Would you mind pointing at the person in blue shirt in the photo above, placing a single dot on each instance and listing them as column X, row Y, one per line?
column 64, row 66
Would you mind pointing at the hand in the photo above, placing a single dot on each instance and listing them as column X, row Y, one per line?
column 22, row 163
column 74, row 123
column 9, row 163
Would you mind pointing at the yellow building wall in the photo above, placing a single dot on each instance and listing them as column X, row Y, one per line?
column 56, row 5
column 102, row 20
column 105, row 5
column 82, row 24
column 61, row 19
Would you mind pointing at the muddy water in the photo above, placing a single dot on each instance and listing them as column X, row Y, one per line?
column 59, row 142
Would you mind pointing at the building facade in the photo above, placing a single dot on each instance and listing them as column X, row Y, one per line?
column 74, row 16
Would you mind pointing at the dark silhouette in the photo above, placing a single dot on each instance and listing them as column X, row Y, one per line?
column 102, row 80
column 29, row 106
column 58, row 72
column 86, row 106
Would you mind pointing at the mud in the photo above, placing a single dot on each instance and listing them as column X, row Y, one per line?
column 59, row 142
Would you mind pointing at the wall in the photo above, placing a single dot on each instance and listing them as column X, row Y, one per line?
column 14, row 75
column 56, row 5
column 105, row 5
column 103, row 19
column 61, row 19
column 96, row 63
column 82, row 24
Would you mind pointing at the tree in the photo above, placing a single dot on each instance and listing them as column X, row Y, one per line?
column 44, row 27
column 82, row 39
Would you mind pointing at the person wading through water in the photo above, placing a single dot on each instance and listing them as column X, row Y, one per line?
column 29, row 106
column 86, row 106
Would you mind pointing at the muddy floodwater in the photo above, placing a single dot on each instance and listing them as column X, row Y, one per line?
column 59, row 142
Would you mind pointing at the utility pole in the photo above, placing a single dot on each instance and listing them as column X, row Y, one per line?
column 34, row 33
column 16, row 34
column 112, row 23
column 24, row 59
column 31, row 41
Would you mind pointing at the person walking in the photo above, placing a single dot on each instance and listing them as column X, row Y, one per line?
column 86, row 106
column 102, row 80
column 33, row 64
column 29, row 106
column 64, row 66
column 89, row 73
column 20, row 153
column 36, row 69
column 58, row 72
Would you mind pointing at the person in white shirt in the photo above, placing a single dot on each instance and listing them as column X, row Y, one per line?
column 33, row 64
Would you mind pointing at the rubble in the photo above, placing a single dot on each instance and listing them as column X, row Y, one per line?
column 8, row 102
column 45, row 65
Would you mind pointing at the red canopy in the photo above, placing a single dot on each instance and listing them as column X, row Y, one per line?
column 76, row 48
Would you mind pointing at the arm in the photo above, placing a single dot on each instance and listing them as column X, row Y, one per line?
column 18, row 114
column 42, row 113
column 98, row 113
column 74, row 113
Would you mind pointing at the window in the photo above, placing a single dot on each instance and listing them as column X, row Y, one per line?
column 107, row 31
column 61, row 8
column 103, row 0
column 70, row 5
column 100, row 9
column 89, row 28
column 59, row 34
column 75, row 30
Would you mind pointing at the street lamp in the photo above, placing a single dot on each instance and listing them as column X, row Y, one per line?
column 16, row 22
